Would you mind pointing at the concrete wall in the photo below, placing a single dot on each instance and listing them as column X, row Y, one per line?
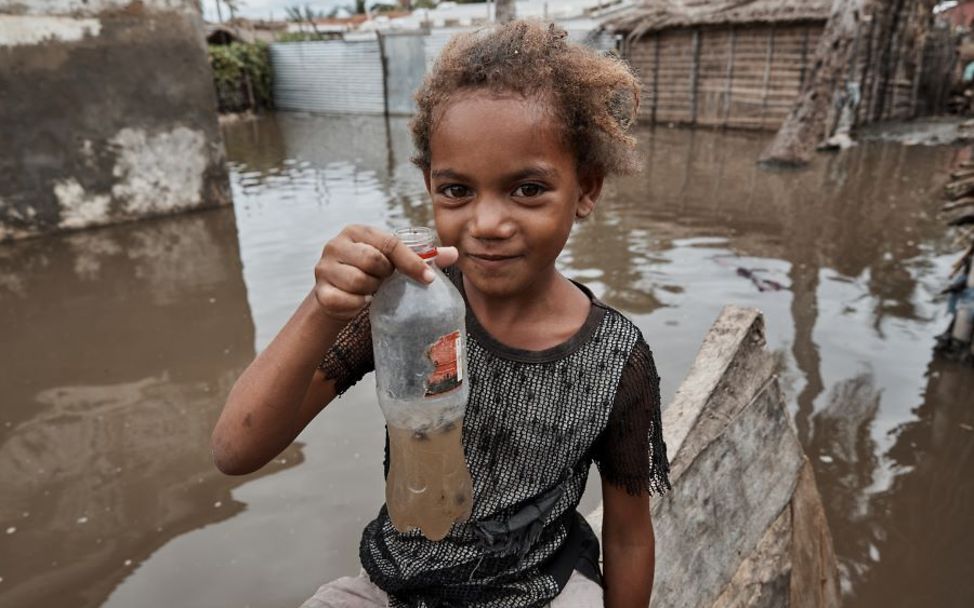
column 108, row 113
column 744, row 526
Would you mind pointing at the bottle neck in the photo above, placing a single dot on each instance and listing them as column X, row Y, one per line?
column 420, row 241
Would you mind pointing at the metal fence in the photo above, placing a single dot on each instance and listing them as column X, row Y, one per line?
column 348, row 76
column 329, row 76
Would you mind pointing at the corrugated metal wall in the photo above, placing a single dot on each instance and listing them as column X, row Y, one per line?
column 434, row 43
column 735, row 77
column 345, row 76
column 330, row 76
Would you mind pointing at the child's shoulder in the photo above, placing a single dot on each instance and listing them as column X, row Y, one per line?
column 614, row 321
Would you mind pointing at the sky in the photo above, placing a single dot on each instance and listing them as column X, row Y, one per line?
column 264, row 9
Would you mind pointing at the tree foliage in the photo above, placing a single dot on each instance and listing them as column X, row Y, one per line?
column 242, row 76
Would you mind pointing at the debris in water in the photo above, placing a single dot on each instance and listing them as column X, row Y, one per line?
column 11, row 529
column 752, row 274
column 966, row 427
column 826, row 459
column 82, row 520
column 128, row 562
column 218, row 504
column 761, row 284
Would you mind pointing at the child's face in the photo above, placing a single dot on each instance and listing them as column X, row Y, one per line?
column 505, row 190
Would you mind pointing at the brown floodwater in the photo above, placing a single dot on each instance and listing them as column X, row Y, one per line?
column 118, row 346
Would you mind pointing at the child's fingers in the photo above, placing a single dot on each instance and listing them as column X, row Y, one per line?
column 446, row 256
column 367, row 258
column 338, row 303
column 353, row 280
column 399, row 255
column 405, row 259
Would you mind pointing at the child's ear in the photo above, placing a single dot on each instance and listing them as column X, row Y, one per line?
column 590, row 188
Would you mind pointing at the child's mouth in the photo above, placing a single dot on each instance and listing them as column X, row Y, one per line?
column 491, row 261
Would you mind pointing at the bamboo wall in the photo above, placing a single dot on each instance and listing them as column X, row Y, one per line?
column 743, row 77
column 748, row 76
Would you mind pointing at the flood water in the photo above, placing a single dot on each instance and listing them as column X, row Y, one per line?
column 119, row 346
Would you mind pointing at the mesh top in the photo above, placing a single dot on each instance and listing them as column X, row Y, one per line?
column 534, row 423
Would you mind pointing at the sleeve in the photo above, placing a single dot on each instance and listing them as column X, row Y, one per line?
column 630, row 451
column 350, row 357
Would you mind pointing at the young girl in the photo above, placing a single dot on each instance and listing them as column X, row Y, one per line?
column 515, row 132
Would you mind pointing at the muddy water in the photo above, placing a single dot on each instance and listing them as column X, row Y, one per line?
column 117, row 348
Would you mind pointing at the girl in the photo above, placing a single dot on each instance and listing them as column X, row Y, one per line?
column 516, row 130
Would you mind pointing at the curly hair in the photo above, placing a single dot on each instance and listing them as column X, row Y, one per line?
column 593, row 96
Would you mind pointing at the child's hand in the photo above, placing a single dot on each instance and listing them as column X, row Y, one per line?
column 355, row 263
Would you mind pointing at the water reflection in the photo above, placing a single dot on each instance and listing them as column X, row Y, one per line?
column 847, row 455
column 118, row 348
column 920, row 535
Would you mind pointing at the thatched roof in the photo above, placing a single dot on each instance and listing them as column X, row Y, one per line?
column 654, row 15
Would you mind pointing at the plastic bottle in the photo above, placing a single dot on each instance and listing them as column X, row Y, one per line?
column 419, row 342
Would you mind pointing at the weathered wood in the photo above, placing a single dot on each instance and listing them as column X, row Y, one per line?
column 668, row 61
column 741, row 481
column 694, row 76
column 967, row 201
column 814, row 575
column 729, row 76
column 804, row 57
column 765, row 573
column 890, row 63
column 769, row 57
column 728, row 371
column 655, row 75
column 962, row 173
column 959, row 189
column 729, row 535
column 805, row 126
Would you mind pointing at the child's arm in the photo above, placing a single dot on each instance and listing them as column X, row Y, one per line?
column 281, row 391
column 628, row 548
column 631, row 455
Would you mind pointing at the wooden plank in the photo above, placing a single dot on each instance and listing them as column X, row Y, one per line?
column 804, row 58
column 728, row 91
column 655, row 76
column 767, row 66
column 694, row 74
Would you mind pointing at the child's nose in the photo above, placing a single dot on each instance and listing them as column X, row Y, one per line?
column 492, row 219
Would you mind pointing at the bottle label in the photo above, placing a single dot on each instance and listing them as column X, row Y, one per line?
column 447, row 357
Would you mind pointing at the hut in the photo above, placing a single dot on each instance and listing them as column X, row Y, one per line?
column 742, row 64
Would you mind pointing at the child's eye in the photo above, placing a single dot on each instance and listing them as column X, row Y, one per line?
column 454, row 191
column 529, row 190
